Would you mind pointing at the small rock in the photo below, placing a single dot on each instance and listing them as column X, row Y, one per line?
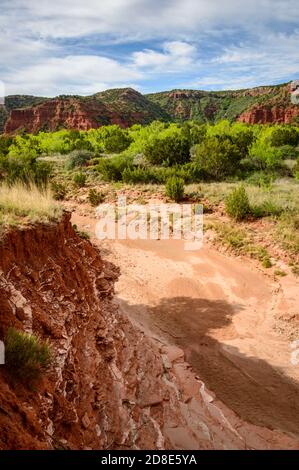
column 86, row 421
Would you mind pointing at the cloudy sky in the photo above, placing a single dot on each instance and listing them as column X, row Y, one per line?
column 50, row 47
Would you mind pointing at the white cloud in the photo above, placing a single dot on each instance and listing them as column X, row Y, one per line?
column 142, row 18
column 43, row 43
column 71, row 74
column 174, row 56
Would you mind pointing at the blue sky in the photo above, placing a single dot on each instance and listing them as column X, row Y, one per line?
column 82, row 47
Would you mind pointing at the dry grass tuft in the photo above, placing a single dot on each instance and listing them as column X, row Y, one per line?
column 21, row 204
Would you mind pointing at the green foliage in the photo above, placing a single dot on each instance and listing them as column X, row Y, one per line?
column 175, row 188
column 262, row 179
column 296, row 170
column 58, row 190
column 263, row 155
column 267, row 208
column 5, row 143
column 95, row 198
column 79, row 179
column 26, row 169
column 171, row 146
column 25, row 146
column 112, row 168
column 284, row 136
column 217, row 157
column 237, row 204
column 26, row 356
column 115, row 139
column 78, row 158
column 81, row 233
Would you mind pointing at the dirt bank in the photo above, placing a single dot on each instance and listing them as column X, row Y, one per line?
column 223, row 312
column 112, row 384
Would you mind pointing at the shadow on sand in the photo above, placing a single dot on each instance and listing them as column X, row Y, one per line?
column 251, row 387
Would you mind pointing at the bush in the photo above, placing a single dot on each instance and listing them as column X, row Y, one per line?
column 284, row 136
column 25, row 169
column 264, row 155
column 217, row 157
column 175, row 188
column 79, row 179
column 170, row 147
column 5, row 143
column 26, row 356
column 58, row 190
column 78, row 158
column 267, row 208
column 296, row 170
column 237, row 204
column 115, row 139
column 95, row 198
column 139, row 175
column 112, row 168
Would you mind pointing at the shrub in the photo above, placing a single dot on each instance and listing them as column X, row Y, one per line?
column 139, row 175
column 26, row 356
column 5, row 143
column 58, row 190
column 79, row 179
column 217, row 157
column 284, row 136
column 112, row 168
column 95, row 198
column 175, row 188
column 237, row 204
column 115, row 139
column 267, row 208
column 78, row 158
column 169, row 147
column 296, row 170
column 263, row 155
column 26, row 169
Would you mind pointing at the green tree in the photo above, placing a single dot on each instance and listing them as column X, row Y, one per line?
column 217, row 157
column 170, row 147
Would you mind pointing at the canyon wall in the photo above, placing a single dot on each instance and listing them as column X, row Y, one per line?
column 264, row 115
column 109, row 387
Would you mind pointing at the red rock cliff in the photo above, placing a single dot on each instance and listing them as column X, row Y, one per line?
column 265, row 115
column 54, row 114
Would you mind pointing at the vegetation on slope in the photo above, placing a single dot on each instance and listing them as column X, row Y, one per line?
column 131, row 107
column 213, row 106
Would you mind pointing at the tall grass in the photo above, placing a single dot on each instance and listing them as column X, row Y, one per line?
column 27, row 356
column 26, row 204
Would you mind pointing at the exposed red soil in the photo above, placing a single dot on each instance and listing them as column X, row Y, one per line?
column 110, row 386
column 260, row 114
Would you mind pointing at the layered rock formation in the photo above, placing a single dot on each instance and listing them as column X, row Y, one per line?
column 263, row 115
column 124, row 107
column 109, row 386
column 127, row 107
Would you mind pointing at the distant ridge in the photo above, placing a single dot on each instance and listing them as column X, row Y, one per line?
column 126, row 106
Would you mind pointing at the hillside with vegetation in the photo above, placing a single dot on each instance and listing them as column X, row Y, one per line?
column 213, row 106
column 125, row 107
